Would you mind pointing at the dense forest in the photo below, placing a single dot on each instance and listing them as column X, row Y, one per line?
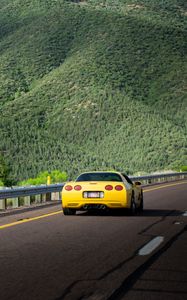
column 93, row 85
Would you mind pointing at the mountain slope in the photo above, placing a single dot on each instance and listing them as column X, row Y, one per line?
column 91, row 85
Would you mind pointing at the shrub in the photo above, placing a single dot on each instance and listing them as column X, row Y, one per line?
column 56, row 177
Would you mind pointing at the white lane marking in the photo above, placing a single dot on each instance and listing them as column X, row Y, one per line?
column 178, row 223
column 185, row 214
column 152, row 245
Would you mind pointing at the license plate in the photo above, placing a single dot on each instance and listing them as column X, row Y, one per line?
column 91, row 194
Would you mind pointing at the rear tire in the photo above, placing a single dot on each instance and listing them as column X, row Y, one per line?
column 133, row 208
column 140, row 208
column 69, row 211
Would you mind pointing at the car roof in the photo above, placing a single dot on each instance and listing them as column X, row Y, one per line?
column 115, row 172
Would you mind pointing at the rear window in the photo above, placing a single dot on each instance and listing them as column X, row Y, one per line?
column 99, row 177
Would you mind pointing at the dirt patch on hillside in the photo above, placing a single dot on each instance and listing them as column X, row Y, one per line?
column 135, row 6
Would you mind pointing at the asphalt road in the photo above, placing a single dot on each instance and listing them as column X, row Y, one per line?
column 98, row 257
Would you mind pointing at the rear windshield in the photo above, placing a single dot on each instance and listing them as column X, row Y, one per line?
column 99, row 177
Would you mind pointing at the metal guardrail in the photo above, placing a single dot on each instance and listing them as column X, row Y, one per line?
column 54, row 188
column 30, row 190
column 177, row 175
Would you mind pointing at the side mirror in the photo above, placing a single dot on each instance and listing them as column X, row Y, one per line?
column 137, row 183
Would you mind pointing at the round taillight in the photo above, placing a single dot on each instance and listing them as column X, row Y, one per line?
column 77, row 188
column 108, row 187
column 68, row 187
column 118, row 187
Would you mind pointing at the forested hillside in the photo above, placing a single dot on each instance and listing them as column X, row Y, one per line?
column 87, row 85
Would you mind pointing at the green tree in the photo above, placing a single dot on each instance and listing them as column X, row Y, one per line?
column 4, row 172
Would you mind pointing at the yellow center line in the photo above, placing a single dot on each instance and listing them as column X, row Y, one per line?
column 59, row 212
column 30, row 220
column 164, row 186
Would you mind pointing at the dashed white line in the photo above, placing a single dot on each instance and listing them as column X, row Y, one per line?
column 152, row 245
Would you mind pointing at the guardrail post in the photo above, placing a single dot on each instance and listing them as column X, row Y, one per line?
column 55, row 196
column 27, row 200
column 3, row 204
column 14, row 202
column 43, row 198
column 37, row 198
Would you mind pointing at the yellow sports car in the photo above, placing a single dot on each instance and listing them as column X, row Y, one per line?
column 102, row 190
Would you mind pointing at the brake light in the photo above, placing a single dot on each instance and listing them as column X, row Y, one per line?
column 68, row 187
column 77, row 188
column 108, row 187
column 118, row 187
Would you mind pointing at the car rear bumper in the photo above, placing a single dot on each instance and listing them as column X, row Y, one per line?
column 94, row 204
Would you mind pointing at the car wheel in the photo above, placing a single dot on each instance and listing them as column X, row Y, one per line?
column 140, row 208
column 68, row 211
column 133, row 206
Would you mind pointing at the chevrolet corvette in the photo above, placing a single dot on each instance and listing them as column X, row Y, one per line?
column 102, row 190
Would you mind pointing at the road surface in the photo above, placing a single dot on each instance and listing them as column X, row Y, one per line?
column 46, row 255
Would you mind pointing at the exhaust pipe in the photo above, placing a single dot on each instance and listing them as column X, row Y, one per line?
column 103, row 207
column 100, row 207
